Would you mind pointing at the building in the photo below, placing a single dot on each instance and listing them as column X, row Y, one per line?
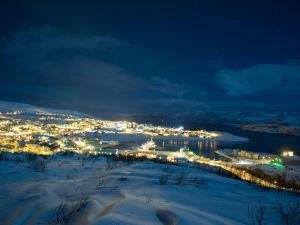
column 254, row 155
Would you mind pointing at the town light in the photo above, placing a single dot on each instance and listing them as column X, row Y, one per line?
column 180, row 128
column 79, row 143
column 287, row 153
column 242, row 162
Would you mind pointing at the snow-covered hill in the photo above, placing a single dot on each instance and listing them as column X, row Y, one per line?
column 6, row 106
column 94, row 191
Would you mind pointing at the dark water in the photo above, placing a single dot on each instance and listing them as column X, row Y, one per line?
column 205, row 148
column 258, row 141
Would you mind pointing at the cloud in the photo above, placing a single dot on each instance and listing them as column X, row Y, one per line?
column 168, row 87
column 58, row 57
column 52, row 67
column 48, row 63
column 282, row 79
column 175, row 104
column 49, row 38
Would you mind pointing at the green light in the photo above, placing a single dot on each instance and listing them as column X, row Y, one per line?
column 277, row 160
column 277, row 165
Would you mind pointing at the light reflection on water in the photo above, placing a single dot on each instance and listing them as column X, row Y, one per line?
column 205, row 148
column 198, row 147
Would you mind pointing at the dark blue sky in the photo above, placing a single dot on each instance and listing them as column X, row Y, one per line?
column 103, row 57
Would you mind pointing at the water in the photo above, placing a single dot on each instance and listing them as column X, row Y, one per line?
column 205, row 148
column 258, row 141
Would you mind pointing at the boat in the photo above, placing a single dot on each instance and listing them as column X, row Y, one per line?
column 149, row 145
column 184, row 149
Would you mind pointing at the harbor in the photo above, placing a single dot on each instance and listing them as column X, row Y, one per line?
column 260, row 168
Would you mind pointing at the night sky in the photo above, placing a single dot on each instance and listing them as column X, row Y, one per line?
column 113, row 57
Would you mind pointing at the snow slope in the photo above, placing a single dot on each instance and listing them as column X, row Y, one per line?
column 6, row 106
column 121, row 193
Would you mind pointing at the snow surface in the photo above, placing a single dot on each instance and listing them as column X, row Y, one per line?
column 129, row 193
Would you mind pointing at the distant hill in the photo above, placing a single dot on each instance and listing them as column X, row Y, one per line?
column 229, row 117
column 6, row 106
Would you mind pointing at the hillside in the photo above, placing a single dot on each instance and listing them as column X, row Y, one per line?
column 71, row 190
column 7, row 107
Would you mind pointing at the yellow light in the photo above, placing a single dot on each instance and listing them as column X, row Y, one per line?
column 80, row 143
column 288, row 154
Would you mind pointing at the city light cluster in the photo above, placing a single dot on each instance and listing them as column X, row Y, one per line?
column 48, row 133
